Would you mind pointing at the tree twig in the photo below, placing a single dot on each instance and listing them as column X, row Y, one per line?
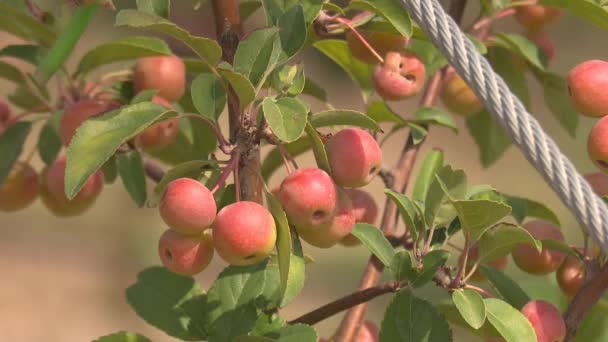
column 153, row 170
column 346, row 302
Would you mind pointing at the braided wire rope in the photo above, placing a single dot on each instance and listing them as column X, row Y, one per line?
column 527, row 133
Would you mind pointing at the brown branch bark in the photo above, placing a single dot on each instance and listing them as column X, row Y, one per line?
column 400, row 176
column 584, row 300
column 346, row 302
column 229, row 29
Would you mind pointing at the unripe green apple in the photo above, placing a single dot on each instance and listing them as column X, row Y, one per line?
column 55, row 182
column 355, row 157
column 528, row 259
column 365, row 211
column 587, row 83
column 185, row 255
column 79, row 112
column 167, row 74
column 536, row 17
column 161, row 134
column 473, row 256
column 244, row 233
column 571, row 276
column 329, row 234
column 308, row 197
column 597, row 144
column 381, row 42
column 598, row 182
column 187, row 206
column 401, row 76
column 546, row 320
column 458, row 97
column 19, row 189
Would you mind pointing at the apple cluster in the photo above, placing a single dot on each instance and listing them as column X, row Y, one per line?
column 324, row 208
column 320, row 207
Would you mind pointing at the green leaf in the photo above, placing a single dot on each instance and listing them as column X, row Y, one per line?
column 131, row 171
column 453, row 316
column 170, row 302
column 428, row 53
column 411, row 319
column 293, row 30
column 207, row 49
column 286, row 117
column 49, row 143
column 120, row 50
column 70, row 34
column 318, row 148
column 25, row 52
column 431, row 115
column 430, row 263
column 471, row 306
column 294, row 333
column 190, row 169
column 11, row 73
column 523, row 207
column 374, row 240
column 110, row 170
column 275, row 9
column 522, row 46
column 338, row 51
column 123, row 336
column 283, row 244
column 412, row 218
column 502, row 62
column 247, row 8
column 500, row 240
column 448, row 185
column 230, row 309
column 96, row 140
column 510, row 323
column 208, row 96
column 313, row 89
column 555, row 92
column 266, row 323
column 257, row 55
column 594, row 327
column 379, row 111
column 401, row 266
column 390, row 10
column 432, row 163
column 343, row 117
column 297, row 268
column 476, row 216
column 585, row 9
column 491, row 139
column 559, row 246
column 25, row 26
column 241, row 85
column 507, row 287
column 159, row 7
column 11, row 144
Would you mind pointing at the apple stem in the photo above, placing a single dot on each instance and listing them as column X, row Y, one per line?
column 287, row 158
column 224, row 145
column 360, row 37
column 231, row 167
column 237, row 181
column 463, row 263
column 479, row 290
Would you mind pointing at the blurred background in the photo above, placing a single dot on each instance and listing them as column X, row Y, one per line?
column 64, row 279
